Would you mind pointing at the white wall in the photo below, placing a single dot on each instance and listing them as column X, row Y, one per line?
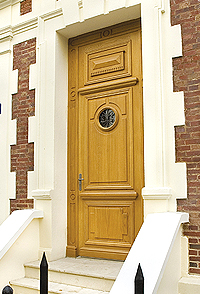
column 7, row 127
column 4, row 123
column 25, row 249
column 162, row 108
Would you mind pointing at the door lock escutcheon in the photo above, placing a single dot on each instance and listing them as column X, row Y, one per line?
column 80, row 179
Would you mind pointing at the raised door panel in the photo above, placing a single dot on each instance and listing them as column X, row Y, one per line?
column 106, row 61
column 108, row 227
column 106, row 152
column 117, row 218
column 105, row 142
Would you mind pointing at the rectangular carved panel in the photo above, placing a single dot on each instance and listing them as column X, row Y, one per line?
column 72, row 237
column 110, row 222
column 105, row 64
column 116, row 223
column 107, row 152
column 108, row 64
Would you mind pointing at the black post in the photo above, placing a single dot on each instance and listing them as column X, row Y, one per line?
column 44, row 275
column 7, row 290
column 139, row 281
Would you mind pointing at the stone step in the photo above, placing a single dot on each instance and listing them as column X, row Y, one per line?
column 31, row 286
column 189, row 284
column 92, row 273
column 71, row 275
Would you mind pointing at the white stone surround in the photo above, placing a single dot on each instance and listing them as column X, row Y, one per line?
column 53, row 22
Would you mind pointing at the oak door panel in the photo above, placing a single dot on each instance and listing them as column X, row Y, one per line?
column 105, row 142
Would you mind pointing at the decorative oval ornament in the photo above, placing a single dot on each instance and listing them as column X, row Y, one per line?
column 107, row 118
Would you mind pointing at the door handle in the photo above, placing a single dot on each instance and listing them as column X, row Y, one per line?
column 80, row 179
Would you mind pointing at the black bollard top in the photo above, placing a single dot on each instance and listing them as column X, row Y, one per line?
column 44, row 261
column 7, row 290
column 139, row 275
column 139, row 281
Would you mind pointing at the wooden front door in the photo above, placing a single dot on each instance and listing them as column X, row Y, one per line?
column 105, row 142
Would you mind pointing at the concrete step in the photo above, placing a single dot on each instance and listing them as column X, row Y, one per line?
column 81, row 274
column 189, row 284
column 31, row 286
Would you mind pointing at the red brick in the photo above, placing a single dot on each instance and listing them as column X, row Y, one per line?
column 23, row 106
column 25, row 6
column 194, row 270
column 192, row 240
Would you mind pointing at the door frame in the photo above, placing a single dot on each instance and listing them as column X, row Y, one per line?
column 73, row 144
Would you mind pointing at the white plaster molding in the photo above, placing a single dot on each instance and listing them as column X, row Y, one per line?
column 103, row 18
column 32, row 127
column 6, row 3
column 80, row 4
column 14, row 225
column 6, row 34
column 32, row 131
column 25, row 26
column 8, row 51
column 52, row 14
column 41, row 107
column 11, row 2
column 176, row 116
column 162, row 193
column 41, row 194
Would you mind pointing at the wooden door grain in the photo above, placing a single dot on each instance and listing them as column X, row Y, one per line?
column 105, row 142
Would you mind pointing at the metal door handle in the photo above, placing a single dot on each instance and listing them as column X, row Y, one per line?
column 80, row 179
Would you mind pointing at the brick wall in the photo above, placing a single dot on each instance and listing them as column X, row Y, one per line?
column 25, row 6
column 187, row 79
column 23, row 106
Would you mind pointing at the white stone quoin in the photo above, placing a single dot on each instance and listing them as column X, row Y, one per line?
column 53, row 23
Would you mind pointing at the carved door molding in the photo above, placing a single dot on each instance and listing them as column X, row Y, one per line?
column 105, row 142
